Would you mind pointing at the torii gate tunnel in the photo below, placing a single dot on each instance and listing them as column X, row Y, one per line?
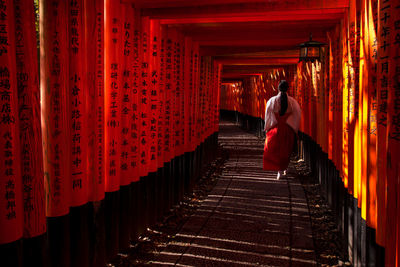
column 110, row 108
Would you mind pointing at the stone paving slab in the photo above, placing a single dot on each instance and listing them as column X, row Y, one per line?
column 248, row 219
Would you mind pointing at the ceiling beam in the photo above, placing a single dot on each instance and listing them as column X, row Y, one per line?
column 174, row 8
column 276, row 16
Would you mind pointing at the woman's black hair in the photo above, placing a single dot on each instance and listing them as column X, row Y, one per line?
column 283, row 87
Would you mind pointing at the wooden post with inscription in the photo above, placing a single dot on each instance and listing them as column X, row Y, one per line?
column 11, row 200
column 55, row 126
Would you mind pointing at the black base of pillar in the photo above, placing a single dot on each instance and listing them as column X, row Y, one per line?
column 142, row 202
column 135, row 215
column 160, row 191
column 97, row 249
column 59, row 241
column 112, row 211
column 181, row 178
column 79, row 233
column 11, row 254
column 167, row 188
column 187, row 171
column 35, row 251
column 175, row 180
column 152, row 185
column 124, row 218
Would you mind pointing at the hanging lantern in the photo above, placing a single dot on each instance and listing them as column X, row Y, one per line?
column 310, row 50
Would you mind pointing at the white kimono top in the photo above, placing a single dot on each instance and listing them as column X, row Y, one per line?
column 274, row 106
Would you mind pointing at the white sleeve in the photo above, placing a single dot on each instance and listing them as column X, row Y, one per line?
column 270, row 119
column 294, row 119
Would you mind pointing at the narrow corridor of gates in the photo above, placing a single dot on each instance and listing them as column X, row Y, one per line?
column 248, row 218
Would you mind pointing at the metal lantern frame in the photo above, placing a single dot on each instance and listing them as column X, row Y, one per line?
column 310, row 50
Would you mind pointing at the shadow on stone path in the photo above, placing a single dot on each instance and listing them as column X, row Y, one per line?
column 240, row 215
column 248, row 219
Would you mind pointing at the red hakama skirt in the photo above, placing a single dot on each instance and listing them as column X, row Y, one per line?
column 279, row 144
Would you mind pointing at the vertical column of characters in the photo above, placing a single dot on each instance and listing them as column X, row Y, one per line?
column 382, row 97
column 387, row 105
column 144, row 99
column 334, row 95
column 339, row 97
column 178, row 93
column 371, row 29
column 330, row 97
column 218, row 95
column 54, row 106
column 154, row 91
column 11, row 203
column 126, row 92
column 200, row 119
column 326, row 100
column 206, row 83
column 200, row 100
column 135, row 106
column 215, row 90
column 214, row 96
column 174, row 108
column 182, row 95
column 191, row 98
column 196, row 105
column 112, row 105
column 94, row 25
column 210, row 98
column 394, row 117
column 168, row 95
column 29, row 119
column 187, row 92
column 207, row 100
column 210, row 103
column 161, row 98
column 77, row 93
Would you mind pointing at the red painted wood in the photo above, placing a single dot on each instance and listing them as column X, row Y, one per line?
column 188, row 91
column 161, row 98
column 94, row 25
column 113, row 84
column 135, row 120
column 292, row 15
column 168, row 57
column 144, row 98
column 78, row 93
column 29, row 119
column 154, row 76
column 11, row 202
column 126, row 94
column 54, row 106
column 175, row 8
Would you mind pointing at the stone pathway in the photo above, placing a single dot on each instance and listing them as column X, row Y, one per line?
column 248, row 219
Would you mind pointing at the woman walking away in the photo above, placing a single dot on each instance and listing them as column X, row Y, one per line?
column 282, row 120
